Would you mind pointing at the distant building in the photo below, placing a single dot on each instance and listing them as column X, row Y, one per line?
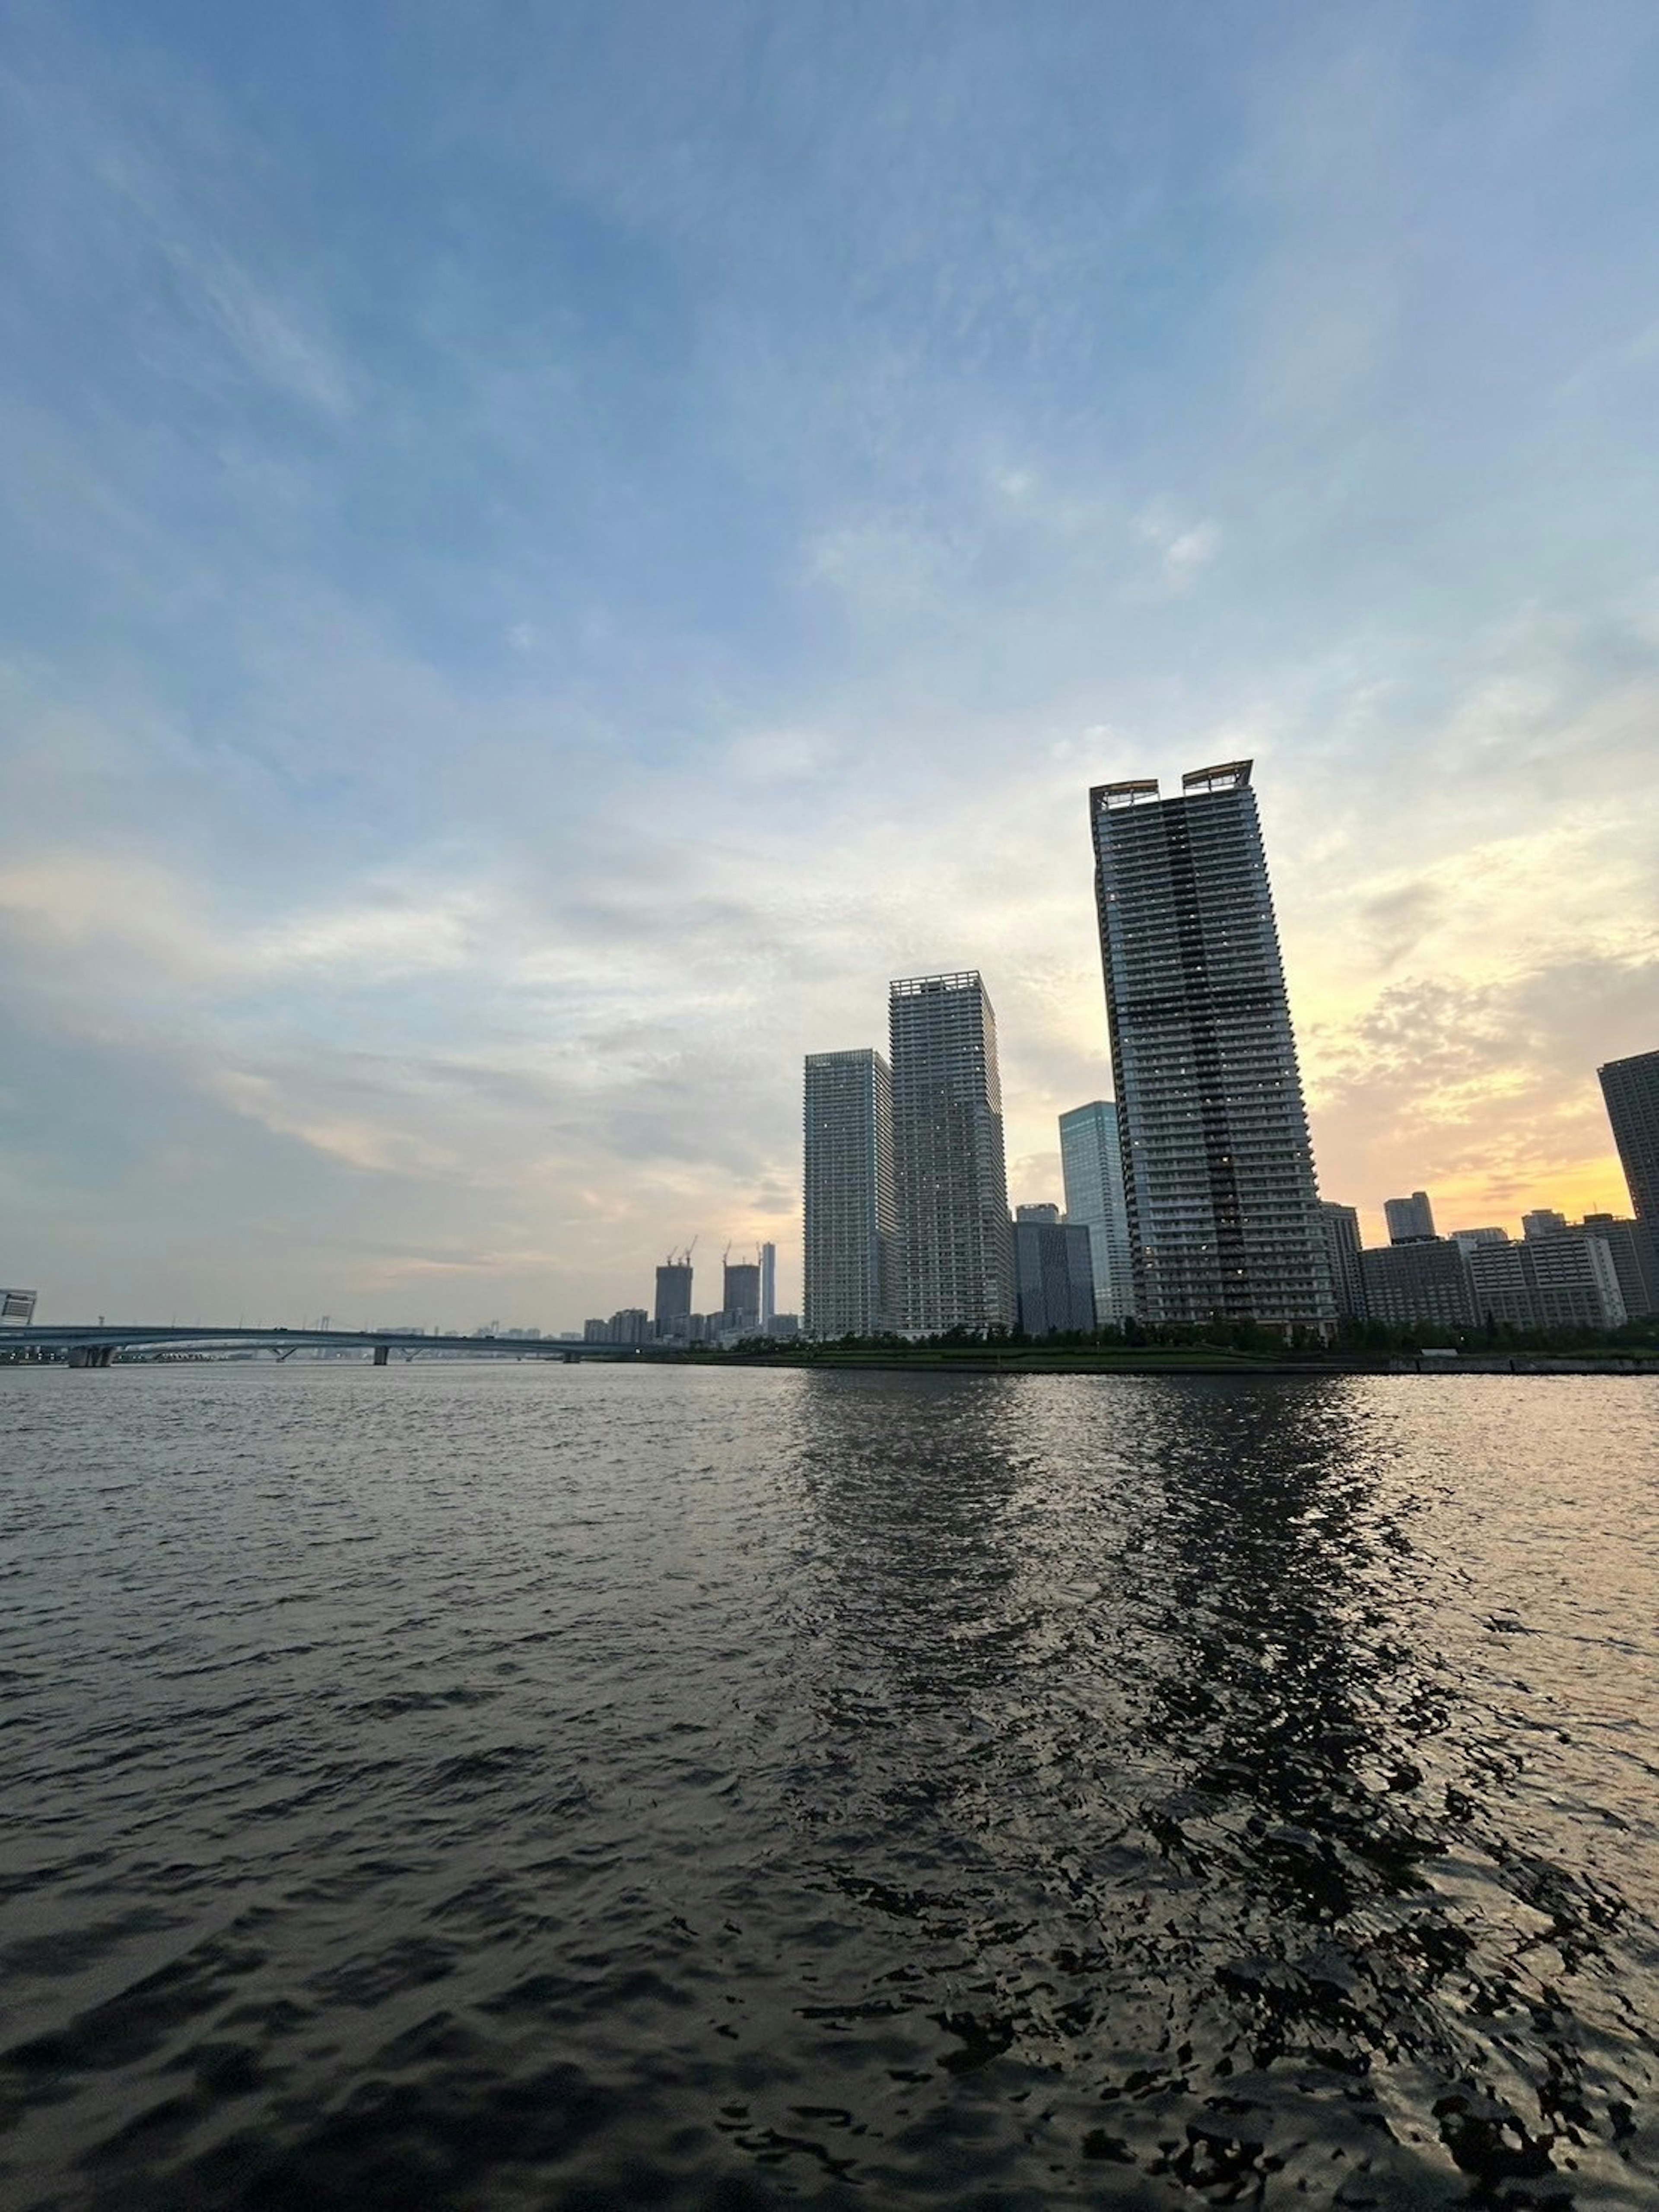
column 1340, row 1225
column 1500, row 1284
column 1575, row 1284
column 673, row 1307
column 1564, row 1279
column 1408, row 1218
column 950, row 1174
column 1419, row 1279
column 1467, row 1239
column 768, row 1282
column 596, row 1331
column 1054, row 1273
column 1217, row 1168
column 740, row 1310
column 631, row 1326
column 1631, row 1247
column 1091, row 1166
column 17, row 1309
column 783, row 1325
column 1631, row 1089
column 851, row 1226
column 1545, row 1222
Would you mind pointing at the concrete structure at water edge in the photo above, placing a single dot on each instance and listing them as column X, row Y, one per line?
column 1217, row 1167
column 949, row 1172
column 1092, row 1167
column 851, row 1225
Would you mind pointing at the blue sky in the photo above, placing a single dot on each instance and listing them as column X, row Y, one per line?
column 546, row 552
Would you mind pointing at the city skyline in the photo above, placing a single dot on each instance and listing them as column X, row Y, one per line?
column 529, row 579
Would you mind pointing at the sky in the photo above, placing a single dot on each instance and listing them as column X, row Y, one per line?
column 548, row 552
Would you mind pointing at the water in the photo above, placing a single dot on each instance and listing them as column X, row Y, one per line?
column 510, row 1787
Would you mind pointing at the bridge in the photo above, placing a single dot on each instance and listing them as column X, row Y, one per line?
column 95, row 1344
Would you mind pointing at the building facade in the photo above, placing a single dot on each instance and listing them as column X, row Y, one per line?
column 1218, row 1174
column 1408, row 1218
column 1091, row 1166
column 1054, row 1273
column 956, row 1241
column 740, row 1297
column 1342, row 1247
column 1422, row 1279
column 1631, row 1089
column 768, row 1282
column 850, row 1225
column 1631, row 1246
column 672, row 1319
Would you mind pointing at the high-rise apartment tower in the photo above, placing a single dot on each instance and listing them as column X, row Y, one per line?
column 956, row 1241
column 849, row 1217
column 1092, row 1167
column 768, row 1282
column 1218, row 1175
column 1631, row 1088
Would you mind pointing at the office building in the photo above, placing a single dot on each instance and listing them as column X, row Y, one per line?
column 17, row 1309
column 956, row 1241
column 671, row 1318
column 1631, row 1089
column 1091, row 1168
column 1218, row 1175
column 1420, row 1279
column 850, row 1223
column 1054, row 1273
column 1408, row 1218
column 1342, row 1246
column 768, row 1282
column 740, row 1305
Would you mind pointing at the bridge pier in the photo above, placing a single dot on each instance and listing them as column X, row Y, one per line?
column 91, row 1355
column 382, row 1354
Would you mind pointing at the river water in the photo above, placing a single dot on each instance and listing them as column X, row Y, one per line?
column 458, row 1785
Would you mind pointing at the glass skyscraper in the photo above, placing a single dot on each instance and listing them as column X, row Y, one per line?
column 956, row 1241
column 1092, row 1167
column 1224, row 1213
column 849, row 1223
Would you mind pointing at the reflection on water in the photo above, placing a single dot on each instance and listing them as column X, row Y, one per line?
column 505, row 1788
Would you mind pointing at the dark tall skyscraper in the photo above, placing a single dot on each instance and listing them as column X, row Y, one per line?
column 850, row 1223
column 1631, row 1088
column 672, row 1318
column 956, row 1241
column 741, row 1297
column 1223, row 1216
